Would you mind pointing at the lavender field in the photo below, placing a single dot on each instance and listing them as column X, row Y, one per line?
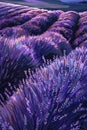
column 43, row 68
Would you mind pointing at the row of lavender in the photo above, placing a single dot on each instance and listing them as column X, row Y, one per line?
column 29, row 37
column 16, row 21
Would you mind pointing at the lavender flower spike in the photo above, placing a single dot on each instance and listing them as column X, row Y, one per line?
column 55, row 98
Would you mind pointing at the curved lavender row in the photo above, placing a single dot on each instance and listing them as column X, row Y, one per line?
column 4, row 10
column 66, row 24
column 9, row 9
column 12, row 13
column 84, row 43
column 7, row 14
column 48, row 46
column 35, row 26
column 55, row 98
column 27, row 53
column 41, row 23
column 43, row 47
column 59, row 41
column 21, row 19
column 81, row 33
column 6, row 5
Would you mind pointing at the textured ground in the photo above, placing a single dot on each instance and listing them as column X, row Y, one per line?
column 30, row 38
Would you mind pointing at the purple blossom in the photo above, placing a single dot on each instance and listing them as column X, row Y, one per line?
column 55, row 98
column 81, row 33
column 66, row 25
column 14, row 60
column 59, row 41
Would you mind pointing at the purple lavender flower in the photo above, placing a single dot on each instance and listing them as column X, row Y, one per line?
column 14, row 60
column 80, row 39
column 55, row 98
column 71, row 15
column 59, row 41
column 81, row 33
column 44, row 47
column 66, row 25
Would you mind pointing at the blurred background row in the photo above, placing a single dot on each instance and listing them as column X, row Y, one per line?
column 77, row 5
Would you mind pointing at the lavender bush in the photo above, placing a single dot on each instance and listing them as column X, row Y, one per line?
column 55, row 98
column 14, row 60
column 19, row 55
column 66, row 24
column 81, row 33
column 59, row 41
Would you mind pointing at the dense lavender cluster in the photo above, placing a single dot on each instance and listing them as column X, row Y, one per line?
column 23, row 54
column 14, row 60
column 55, row 98
column 41, row 88
column 18, row 21
column 81, row 33
column 61, row 27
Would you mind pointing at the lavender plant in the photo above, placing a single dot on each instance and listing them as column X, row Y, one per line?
column 14, row 60
column 47, row 45
column 84, row 44
column 80, row 39
column 66, row 25
column 55, row 98
column 18, row 55
column 59, row 41
column 81, row 33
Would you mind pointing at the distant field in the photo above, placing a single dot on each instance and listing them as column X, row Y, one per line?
column 50, row 4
